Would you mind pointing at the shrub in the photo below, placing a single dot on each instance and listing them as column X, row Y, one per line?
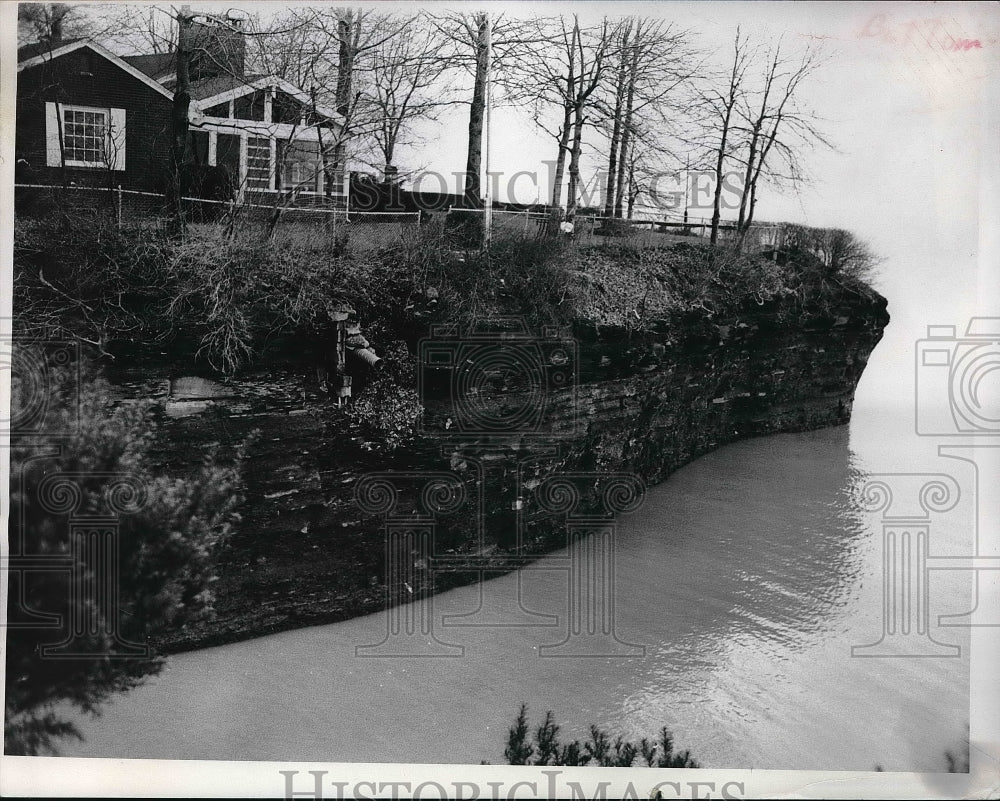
column 839, row 252
column 237, row 292
column 466, row 227
column 228, row 294
column 600, row 750
column 630, row 286
column 89, row 279
column 388, row 408
column 169, row 531
column 515, row 276
column 225, row 294
column 615, row 227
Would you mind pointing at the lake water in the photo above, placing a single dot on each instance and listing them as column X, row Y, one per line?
column 746, row 577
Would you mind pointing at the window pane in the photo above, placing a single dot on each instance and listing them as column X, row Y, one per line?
column 302, row 167
column 84, row 136
column 258, row 162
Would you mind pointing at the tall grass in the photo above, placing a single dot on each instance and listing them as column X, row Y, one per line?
column 225, row 294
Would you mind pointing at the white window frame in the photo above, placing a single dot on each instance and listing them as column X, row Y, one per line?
column 114, row 136
column 270, row 166
column 105, row 114
column 316, row 187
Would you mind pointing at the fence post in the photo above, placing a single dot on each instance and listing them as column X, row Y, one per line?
column 118, row 206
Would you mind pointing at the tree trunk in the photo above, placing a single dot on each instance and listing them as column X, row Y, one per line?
column 719, row 164
column 345, row 59
column 179, row 122
column 748, row 179
column 564, row 134
column 627, row 129
column 756, row 176
column 632, row 194
column 560, row 170
column 348, row 33
column 574, row 162
column 616, row 131
column 477, row 113
column 58, row 12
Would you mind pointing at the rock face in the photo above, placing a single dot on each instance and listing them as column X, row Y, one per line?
column 701, row 384
column 642, row 404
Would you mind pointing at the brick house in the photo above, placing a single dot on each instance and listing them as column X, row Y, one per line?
column 88, row 117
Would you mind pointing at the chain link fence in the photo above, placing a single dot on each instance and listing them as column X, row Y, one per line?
column 313, row 220
column 318, row 221
column 588, row 230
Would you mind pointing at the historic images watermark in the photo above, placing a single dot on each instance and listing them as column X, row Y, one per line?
column 87, row 575
column 553, row 784
column 65, row 525
column 674, row 191
column 957, row 401
column 45, row 382
column 499, row 379
column 410, row 505
column 958, row 380
column 907, row 503
column 501, row 400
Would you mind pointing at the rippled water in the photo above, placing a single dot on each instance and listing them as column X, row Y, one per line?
column 747, row 576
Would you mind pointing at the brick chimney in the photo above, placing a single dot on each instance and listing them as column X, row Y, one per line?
column 57, row 14
column 218, row 47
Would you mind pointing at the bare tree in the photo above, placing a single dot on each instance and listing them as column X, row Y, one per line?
column 485, row 48
column 179, row 118
column 592, row 67
column 356, row 33
column 291, row 46
column 49, row 23
column 136, row 29
column 716, row 116
column 644, row 171
column 839, row 251
column 622, row 81
column 567, row 70
column 654, row 60
column 404, row 85
column 775, row 126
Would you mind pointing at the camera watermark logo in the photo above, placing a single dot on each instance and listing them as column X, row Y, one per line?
column 42, row 372
column 958, row 380
column 957, row 384
column 86, row 568
column 498, row 379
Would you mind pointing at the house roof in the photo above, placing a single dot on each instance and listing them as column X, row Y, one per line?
column 41, row 48
column 228, row 88
column 40, row 53
column 221, row 84
column 204, row 93
column 154, row 65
